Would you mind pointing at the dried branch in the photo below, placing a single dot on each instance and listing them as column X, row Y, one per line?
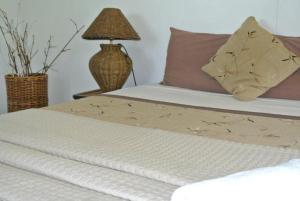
column 47, row 51
column 11, row 51
column 75, row 24
column 21, row 48
column 11, row 54
column 31, row 53
column 16, row 44
column 64, row 49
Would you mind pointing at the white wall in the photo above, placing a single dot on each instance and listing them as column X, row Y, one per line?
column 151, row 19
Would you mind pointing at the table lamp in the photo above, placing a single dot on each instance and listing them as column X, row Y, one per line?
column 111, row 66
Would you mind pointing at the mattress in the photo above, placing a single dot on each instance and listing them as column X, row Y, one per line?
column 114, row 148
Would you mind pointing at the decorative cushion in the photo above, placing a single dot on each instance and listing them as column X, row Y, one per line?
column 290, row 87
column 187, row 51
column 251, row 62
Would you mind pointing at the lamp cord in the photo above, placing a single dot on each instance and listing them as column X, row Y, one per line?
column 132, row 70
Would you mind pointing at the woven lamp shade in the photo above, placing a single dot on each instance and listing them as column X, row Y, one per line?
column 110, row 24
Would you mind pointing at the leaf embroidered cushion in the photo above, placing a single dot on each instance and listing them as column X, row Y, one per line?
column 251, row 62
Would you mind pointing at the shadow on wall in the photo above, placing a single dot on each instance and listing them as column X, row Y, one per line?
column 58, row 86
column 140, row 51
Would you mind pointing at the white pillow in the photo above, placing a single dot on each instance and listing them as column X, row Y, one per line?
column 277, row 183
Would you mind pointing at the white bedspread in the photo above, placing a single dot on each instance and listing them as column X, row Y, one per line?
column 20, row 185
column 133, row 163
column 211, row 100
column 100, row 179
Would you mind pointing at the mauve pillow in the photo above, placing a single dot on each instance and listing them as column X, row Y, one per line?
column 188, row 52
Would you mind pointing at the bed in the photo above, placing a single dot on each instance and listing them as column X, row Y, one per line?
column 129, row 144
column 184, row 139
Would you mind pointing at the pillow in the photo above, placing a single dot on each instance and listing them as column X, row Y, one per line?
column 290, row 87
column 272, row 183
column 187, row 51
column 251, row 62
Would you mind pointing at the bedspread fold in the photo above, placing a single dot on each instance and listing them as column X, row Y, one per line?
column 140, row 164
column 100, row 179
column 20, row 185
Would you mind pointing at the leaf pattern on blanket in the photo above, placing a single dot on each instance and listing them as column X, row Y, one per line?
column 187, row 120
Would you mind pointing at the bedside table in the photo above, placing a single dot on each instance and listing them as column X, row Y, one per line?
column 87, row 94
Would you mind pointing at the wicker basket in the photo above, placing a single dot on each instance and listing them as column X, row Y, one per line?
column 26, row 92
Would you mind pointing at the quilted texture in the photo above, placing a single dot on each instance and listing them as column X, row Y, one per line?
column 160, row 155
column 20, row 185
column 99, row 179
column 251, row 62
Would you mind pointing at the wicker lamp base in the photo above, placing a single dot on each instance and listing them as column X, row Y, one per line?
column 26, row 92
column 110, row 67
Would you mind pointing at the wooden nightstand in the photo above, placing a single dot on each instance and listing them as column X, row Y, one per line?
column 87, row 94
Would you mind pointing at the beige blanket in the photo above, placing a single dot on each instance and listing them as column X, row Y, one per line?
column 258, row 129
column 134, row 163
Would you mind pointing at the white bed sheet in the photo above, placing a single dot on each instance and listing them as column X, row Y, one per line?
column 211, row 100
